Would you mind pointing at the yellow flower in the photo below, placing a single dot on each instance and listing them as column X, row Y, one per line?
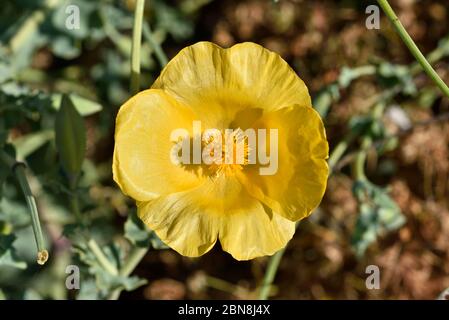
column 191, row 206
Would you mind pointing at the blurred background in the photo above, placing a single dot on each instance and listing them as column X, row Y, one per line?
column 378, row 108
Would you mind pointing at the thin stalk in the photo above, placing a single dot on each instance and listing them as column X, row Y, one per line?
column 101, row 257
column 75, row 207
column 73, row 199
column 158, row 51
column 134, row 258
column 408, row 41
column 271, row 271
column 136, row 45
column 339, row 150
column 270, row 274
column 18, row 169
column 220, row 284
column 42, row 255
column 358, row 168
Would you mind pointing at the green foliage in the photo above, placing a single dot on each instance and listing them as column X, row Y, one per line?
column 368, row 126
column 13, row 214
column 5, row 170
column 83, row 106
column 172, row 20
column 378, row 215
column 391, row 75
column 140, row 235
column 70, row 132
column 8, row 256
column 105, row 282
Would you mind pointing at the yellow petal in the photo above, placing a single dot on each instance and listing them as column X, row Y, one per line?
column 184, row 221
column 300, row 181
column 189, row 221
column 224, row 85
column 250, row 231
column 142, row 166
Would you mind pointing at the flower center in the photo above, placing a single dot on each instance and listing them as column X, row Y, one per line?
column 228, row 152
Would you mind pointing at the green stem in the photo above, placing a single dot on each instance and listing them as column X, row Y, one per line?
column 358, row 169
column 74, row 200
column 136, row 45
column 160, row 55
column 359, row 166
column 101, row 257
column 134, row 258
column 220, row 284
column 270, row 274
column 271, row 271
column 75, row 207
column 339, row 150
column 18, row 169
column 413, row 47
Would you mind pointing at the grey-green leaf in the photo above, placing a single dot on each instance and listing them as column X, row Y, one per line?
column 70, row 133
column 379, row 214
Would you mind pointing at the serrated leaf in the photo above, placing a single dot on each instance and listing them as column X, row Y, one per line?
column 378, row 215
column 105, row 282
column 70, row 137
